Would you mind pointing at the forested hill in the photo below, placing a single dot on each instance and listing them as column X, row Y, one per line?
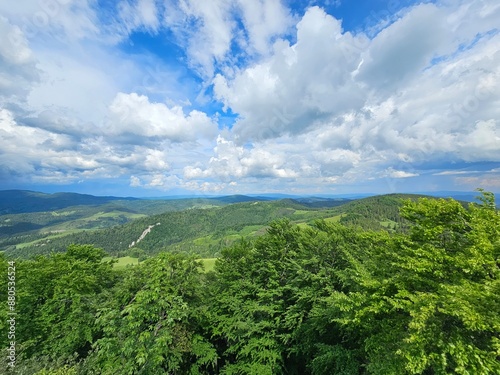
column 21, row 201
column 25, row 201
column 208, row 226
column 206, row 231
column 34, row 216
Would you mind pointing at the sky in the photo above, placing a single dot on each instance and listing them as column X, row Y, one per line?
column 166, row 97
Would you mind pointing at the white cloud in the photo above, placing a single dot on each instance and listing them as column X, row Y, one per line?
column 209, row 30
column 15, row 49
column 384, row 107
column 18, row 71
column 330, row 108
column 232, row 161
column 139, row 14
column 401, row 51
column 263, row 20
column 34, row 154
column 205, row 186
column 29, row 152
column 399, row 174
column 482, row 143
column 298, row 85
column 135, row 114
column 64, row 20
column 157, row 180
column 135, row 181
column 206, row 27
column 156, row 160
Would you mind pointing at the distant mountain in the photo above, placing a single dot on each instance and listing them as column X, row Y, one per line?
column 468, row 196
column 274, row 196
column 319, row 202
column 239, row 199
column 23, row 201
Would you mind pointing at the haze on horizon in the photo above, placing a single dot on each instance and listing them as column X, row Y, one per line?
column 153, row 98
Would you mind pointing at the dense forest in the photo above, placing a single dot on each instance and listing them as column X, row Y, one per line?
column 326, row 298
column 34, row 218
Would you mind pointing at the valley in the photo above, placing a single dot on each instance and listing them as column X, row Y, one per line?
column 201, row 226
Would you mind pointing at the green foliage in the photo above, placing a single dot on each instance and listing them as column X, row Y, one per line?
column 334, row 359
column 152, row 327
column 60, row 371
column 325, row 298
column 57, row 298
column 138, row 253
column 428, row 301
column 262, row 300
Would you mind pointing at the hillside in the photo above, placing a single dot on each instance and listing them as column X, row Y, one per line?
column 175, row 227
column 206, row 231
column 23, row 201
column 34, row 216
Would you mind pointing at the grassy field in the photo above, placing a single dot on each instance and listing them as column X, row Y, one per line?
column 209, row 264
column 48, row 238
column 122, row 262
column 389, row 224
column 333, row 219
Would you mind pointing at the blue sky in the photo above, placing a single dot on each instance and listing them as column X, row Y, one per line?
column 151, row 98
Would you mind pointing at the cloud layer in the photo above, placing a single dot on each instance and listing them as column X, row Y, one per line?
column 252, row 97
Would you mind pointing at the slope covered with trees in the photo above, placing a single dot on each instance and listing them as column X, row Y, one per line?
column 206, row 231
column 31, row 219
column 326, row 299
column 24, row 201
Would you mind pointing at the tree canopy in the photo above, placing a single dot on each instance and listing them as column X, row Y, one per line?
column 326, row 299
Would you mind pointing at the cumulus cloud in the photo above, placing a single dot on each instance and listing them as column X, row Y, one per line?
column 28, row 151
column 135, row 181
column 401, row 51
column 364, row 98
column 482, row 143
column 232, row 161
column 299, row 85
column 34, row 154
column 328, row 73
column 135, row 114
